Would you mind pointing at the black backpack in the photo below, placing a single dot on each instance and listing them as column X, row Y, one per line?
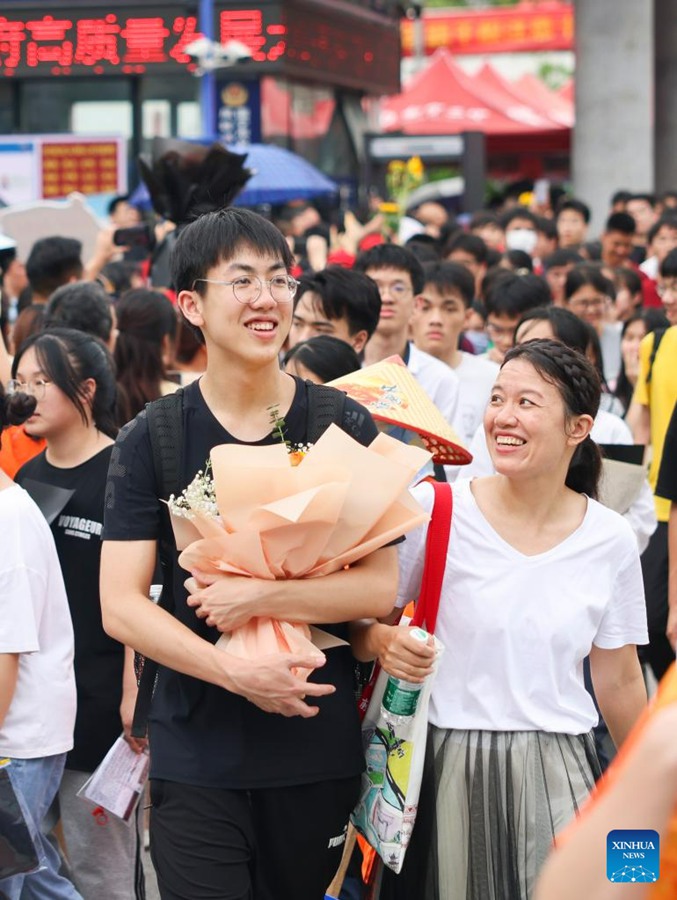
column 326, row 405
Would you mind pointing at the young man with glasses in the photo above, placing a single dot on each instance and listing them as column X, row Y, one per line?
column 399, row 277
column 244, row 803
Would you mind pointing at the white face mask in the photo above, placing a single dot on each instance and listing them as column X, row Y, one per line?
column 521, row 239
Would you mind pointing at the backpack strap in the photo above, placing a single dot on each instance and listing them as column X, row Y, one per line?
column 326, row 405
column 657, row 338
column 435, row 557
column 165, row 430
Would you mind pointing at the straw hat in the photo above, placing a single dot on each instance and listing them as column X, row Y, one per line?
column 391, row 394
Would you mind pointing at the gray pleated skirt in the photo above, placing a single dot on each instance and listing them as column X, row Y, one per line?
column 499, row 799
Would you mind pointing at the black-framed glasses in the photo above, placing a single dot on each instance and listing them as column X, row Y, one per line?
column 36, row 387
column 248, row 288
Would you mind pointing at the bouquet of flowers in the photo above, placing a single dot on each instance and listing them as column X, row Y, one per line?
column 401, row 179
column 253, row 512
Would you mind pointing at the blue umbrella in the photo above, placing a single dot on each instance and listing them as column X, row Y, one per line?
column 279, row 176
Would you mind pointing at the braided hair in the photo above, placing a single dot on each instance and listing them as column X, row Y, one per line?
column 580, row 388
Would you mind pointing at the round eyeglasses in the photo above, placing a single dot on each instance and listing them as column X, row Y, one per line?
column 36, row 387
column 248, row 288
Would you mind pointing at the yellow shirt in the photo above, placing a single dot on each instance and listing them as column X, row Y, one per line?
column 660, row 395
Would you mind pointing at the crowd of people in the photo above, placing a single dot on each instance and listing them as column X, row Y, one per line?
column 550, row 354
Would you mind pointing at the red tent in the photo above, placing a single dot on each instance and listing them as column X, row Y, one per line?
column 442, row 99
column 557, row 107
column 567, row 91
column 488, row 83
column 533, row 95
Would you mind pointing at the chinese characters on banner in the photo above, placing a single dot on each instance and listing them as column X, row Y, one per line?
column 99, row 43
column 89, row 167
column 496, row 31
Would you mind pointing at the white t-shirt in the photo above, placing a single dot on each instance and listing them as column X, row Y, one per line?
column 35, row 622
column 476, row 377
column 436, row 378
column 606, row 429
column 517, row 628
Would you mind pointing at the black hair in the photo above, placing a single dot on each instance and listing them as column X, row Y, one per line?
column 652, row 319
column 493, row 257
column 52, row 262
column 519, row 261
column 588, row 273
column 593, row 250
column 579, row 387
column 482, row 218
column 629, row 278
column 445, row 276
column 345, row 294
column 547, row 227
column 575, row 206
column 68, row 358
column 144, row 319
column 15, row 408
column 29, row 321
column 620, row 196
column 115, row 202
column 563, row 256
column 83, row 305
column 668, row 220
column 119, row 273
column 326, row 356
column 622, row 222
column 424, row 247
column 217, row 236
column 391, row 256
column 669, row 265
column 646, row 198
column 517, row 212
column 566, row 326
column 510, row 294
column 469, row 243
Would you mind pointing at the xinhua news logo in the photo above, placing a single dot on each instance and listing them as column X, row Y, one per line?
column 632, row 856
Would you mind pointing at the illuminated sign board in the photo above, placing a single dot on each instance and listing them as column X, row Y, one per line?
column 329, row 41
column 93, row 40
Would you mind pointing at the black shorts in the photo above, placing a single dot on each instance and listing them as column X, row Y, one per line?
column 267, row 844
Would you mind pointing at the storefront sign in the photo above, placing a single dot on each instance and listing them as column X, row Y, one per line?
column 544, row 26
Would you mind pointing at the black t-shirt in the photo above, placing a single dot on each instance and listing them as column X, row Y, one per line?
column 199, row 733
column 666, row 486
column 99, row 660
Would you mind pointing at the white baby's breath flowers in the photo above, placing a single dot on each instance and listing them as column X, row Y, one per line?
column 198, row 497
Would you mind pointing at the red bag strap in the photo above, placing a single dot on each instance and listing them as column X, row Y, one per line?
column 435, row 557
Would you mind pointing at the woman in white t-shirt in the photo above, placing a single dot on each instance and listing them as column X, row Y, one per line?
column 538, row 576
column 37, row 684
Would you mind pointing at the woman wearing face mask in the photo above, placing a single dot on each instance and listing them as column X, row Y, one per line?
column 538, row 576
column 71, row 376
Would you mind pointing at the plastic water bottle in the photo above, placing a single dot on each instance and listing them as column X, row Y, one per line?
column 400, row 697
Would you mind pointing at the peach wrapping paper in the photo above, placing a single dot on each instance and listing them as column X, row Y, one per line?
column 277, row 521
